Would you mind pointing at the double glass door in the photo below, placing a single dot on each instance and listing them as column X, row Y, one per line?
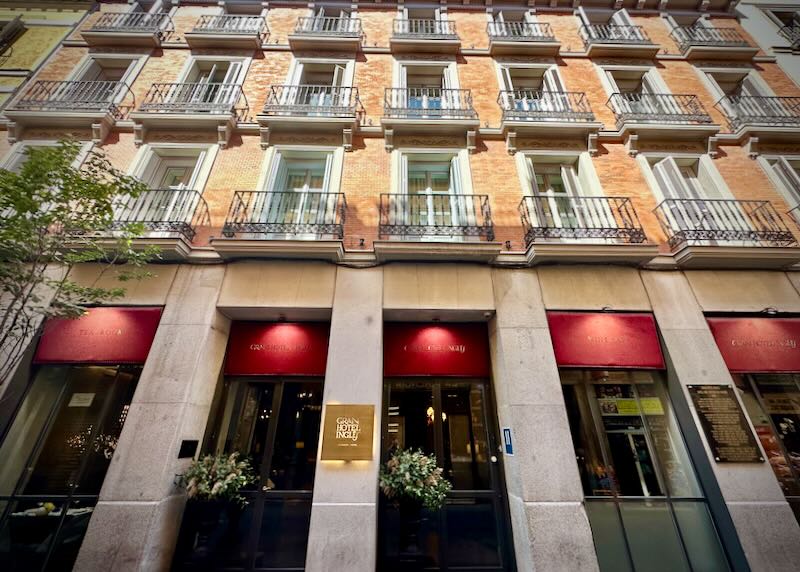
column 275, row 424
column 452, row 420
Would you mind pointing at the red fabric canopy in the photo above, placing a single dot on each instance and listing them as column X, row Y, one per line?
column 455, row 350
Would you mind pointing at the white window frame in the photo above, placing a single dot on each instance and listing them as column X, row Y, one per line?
column 150, row 152
column 501, row 65
column 650, row 70
column 19, row 148
column 296, row 66
column 790, row 196
column 139, row 60
column 705, row 73
column 193, row 59
column 463, row 185
column 450, row 65
column 704, row 161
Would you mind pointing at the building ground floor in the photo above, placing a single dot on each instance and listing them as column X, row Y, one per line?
column 588, row 418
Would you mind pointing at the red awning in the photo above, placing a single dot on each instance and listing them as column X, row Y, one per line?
column 264, row 348
column 758, row 344
column 610, row 340
column 105, row 335
column 454, row 350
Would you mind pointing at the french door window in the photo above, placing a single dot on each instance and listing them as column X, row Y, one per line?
column 434, row 195
column 645, row 504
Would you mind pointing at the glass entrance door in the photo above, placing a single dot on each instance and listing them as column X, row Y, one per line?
column 276, row 425
column 452, row 420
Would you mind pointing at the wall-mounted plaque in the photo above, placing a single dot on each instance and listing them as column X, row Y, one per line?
column 347, row 433
column 724, row 424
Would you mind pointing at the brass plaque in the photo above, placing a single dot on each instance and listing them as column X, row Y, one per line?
column 347, row 433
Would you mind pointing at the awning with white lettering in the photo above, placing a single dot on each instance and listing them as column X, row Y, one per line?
column 758, row 344
column 451, row 350
column 267, row 348
column 107, row 335
column 605, row 339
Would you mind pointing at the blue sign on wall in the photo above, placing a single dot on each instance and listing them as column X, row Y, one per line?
column 508, row 445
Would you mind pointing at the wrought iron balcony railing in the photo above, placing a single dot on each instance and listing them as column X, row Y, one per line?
column 212, row 98
column 687, row 36
column 234, row 25
column 575, row 218
column 114, row 97
column 613, row 34
column 428, row 102
column 329, row 26
column 415, row 28
column 134, row 22
column 535, row 105
column 520, row 31
column 286, row 213
column 431, row 215
column 179, row 211
column 709, row 221
column 791, row 33
column 312, row 101
column 760, row 110
column 657, row 108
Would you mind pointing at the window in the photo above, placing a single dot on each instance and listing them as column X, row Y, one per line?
column 19, row 154
column 427, row 89
column 688, row 178
column 787, row 174
column 432, row 194
column 302, row 199
column 772, row 402
column 645, row 504
column 100, row 77
column 595, row 17
column 211, row 81
column 9, row 31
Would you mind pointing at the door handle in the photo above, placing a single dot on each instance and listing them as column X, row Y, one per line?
column 493, row 458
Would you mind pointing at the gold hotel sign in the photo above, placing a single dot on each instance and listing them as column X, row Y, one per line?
column 347, row 433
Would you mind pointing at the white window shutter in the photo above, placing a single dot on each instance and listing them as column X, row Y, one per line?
column 621, row 18
column 526, row 174
column 455, row 176
column 788, row 177
column 670, row 180
column 278, row 173
column 571, row 184
column 708, row 181
column 327, row 178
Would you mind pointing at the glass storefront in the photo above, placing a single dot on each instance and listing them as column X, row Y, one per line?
column 645, row 504
column 275, row 423
column 55, row 455
column 450, row 419
column 772, row 402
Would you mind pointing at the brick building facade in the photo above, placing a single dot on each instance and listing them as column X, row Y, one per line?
column 370, row 164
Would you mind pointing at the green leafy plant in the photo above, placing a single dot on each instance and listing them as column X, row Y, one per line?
column 217, row 477
column 56, row 212
column 413, row 475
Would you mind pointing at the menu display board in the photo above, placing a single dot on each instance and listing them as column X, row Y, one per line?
column 724, row 424
column 347, row 433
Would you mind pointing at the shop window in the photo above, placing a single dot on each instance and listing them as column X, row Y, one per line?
column 645, row 504
column 55, row 456
column 772, row 402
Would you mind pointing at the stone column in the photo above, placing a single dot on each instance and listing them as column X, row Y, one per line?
column 344, row 516
column 766, row 527
column 136, row 522
column 550, row 526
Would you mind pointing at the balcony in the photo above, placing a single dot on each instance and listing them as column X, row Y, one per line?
column 615, row 40
column 419, row 35
column 94, row 105
column 327, row 33
column 170, row 218
column 284, row 224
column 320, row 108
column 523, row 38
column 191, row 106
column 768, row 118
column 726, row 232
column 534, row 112
column 428, row 110
column 584, row 229
column 661, row 115
column 226, row 31
column 114, row 29
column 698, row 42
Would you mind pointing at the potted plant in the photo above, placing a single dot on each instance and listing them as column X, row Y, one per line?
column 412, row 481
column 213, row 486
